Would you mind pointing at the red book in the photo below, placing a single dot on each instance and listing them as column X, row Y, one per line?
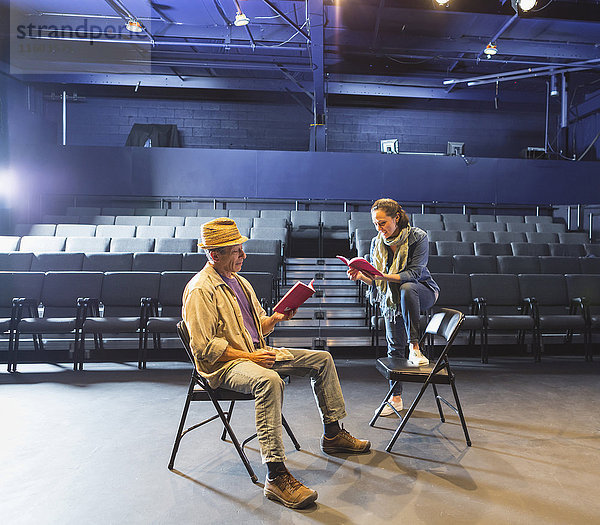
column 296, row 296
column 361, row 264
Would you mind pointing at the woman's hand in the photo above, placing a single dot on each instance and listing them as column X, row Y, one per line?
column 353, row 274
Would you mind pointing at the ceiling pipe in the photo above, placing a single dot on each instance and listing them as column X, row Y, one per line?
column 521, row 77
column 548, row 68
column 287, row 19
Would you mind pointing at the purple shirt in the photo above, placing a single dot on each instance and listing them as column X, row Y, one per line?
column 244, row 307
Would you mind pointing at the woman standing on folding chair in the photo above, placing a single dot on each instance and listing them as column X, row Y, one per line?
column 400, row 252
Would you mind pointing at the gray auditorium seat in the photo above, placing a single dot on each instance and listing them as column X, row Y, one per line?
column 508, row 237
column 9, row 243
column 155, row 232
column 75, row 230
column 438, row 235
column 364, row 234
column 474, row 264
column 35, row 229
column 509, row 218
column 263, row 285
column 550, row 227
column 573, row 238
column 490, row 226
column 428, row 225
column 520, row 227
column 83, row 210
column 269, row 222
column 156, row 262
column 15, row 261
column 245, row 214
column 108, row 262
column 426, row 216
column 518, row 264
column 188, row 232
column 455, row 217
column 182, row 212
column 59, row 261
column 501, row 301
column 38, row 244
column 115, row 230
column 179, row 245
column 151, row 212
column 133, row 220
column 588, row 265
column 561, row 265
column 118, row 211
column 360, row 215
column 541, row 238
column 564, row 250
column 536, row 219
column 552, row 306
column 305, row 224
column 459, row 226
column 262, row 246
column 199, row 221
column 468, row 236
column 364, row 247
column 244, row 225
column 335, row 224
column 276, row 214
column 121, row 294
column 525, row 248
column 210, row 213
column 60, row 219
column 592, row 250
column 454, row 248
column 87, row 244
column 193, row 262
column 276, row 234
column 440, row 264
column 169, row 298
column 96, row 219
column 131, row 244
column 167, row 221
column 492, row 248
column 433, row 248
column 475, row 218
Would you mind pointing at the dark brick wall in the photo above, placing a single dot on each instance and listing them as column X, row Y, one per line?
column 201, row 124
column 419, row 126
column 427, row 127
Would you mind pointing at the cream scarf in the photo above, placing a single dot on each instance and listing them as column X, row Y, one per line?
column 383, row 293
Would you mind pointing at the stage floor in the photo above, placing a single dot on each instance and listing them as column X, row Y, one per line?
column 92, row 447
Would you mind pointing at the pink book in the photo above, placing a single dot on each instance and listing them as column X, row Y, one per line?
column 361, row 264
column 296, row 296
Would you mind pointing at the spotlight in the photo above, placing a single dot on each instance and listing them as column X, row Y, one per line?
column 525, row 5
column 241, row 19
column 442, row 2
column 490, row 50
column 134, row 25
column 8, row 184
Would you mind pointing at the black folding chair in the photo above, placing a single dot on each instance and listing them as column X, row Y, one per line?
column 199, row 390
column 445, row 324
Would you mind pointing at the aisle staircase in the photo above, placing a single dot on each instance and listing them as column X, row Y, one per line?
column 334, row 317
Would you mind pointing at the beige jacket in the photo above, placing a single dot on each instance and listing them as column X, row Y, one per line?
column 214, row 321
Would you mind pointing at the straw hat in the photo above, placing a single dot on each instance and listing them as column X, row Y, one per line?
column 219, row 233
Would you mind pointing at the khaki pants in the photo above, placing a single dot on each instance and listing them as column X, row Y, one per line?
column 267, row 387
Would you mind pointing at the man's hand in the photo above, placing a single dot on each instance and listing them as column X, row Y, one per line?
column 265, row 358
column 277, row 317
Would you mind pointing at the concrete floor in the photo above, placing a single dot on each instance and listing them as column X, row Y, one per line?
column 92, row 448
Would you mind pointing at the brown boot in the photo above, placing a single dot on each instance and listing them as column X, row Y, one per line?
column 289, row 491
column 343, row 441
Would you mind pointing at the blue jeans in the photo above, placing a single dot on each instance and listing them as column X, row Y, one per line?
column 414, row 299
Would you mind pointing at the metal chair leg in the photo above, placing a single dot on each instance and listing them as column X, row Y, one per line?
column 179, row 435
column 439, row 405
column 460, row 413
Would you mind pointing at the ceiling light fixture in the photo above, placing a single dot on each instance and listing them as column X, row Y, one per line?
column 525, row 5
column 241, row 19
column 134, row 25
column 442, row 2
column 490, row 50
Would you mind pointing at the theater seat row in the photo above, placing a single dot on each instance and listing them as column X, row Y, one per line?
column 542, row 305
column 98, row 304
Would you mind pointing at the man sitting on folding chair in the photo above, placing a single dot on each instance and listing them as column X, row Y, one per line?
column 227, row 326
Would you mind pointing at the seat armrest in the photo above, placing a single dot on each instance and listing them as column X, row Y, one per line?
column 530, row 307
